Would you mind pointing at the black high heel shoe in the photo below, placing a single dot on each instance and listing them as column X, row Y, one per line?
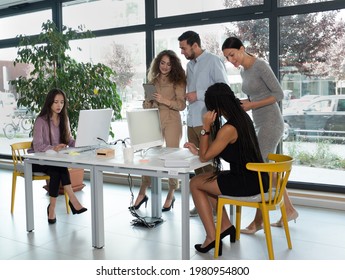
column 136, row 207
column 50, row 221
column 165, row 209
column 209, row 247
column 75, row 211
column 229, row 231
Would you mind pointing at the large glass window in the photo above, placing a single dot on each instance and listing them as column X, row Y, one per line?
column 312, row 75
column 14, row 122
column 311, row 58
column 96, row 15
column 27, row 24
column 125, row 54
column 283, row 3
column 181, row 7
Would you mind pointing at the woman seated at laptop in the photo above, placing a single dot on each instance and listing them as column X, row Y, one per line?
column 169, row 78
column 52, row 132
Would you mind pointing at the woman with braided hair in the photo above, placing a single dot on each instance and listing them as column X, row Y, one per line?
column 235, row 141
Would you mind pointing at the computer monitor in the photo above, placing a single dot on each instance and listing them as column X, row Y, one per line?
column 144, row 128
column 93, row 125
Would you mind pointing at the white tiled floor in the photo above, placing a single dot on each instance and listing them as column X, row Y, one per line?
column 317, row 235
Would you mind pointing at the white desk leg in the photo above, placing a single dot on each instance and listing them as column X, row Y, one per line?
column 156, row 196
column 29, row 200
column 97, row 208
column 185, row 217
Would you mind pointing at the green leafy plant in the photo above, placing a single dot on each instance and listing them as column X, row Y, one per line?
column 87, row 85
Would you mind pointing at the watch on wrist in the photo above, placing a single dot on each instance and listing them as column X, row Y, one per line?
column 203, row 132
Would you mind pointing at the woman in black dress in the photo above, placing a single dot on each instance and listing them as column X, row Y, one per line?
column 235, row 141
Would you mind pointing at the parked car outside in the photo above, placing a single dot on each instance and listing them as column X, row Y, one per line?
column 322, row 118
column 298, row 104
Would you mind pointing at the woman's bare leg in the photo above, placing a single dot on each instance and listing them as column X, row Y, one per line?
column 205, row 196
column 256, row 224
column 145, row 183
column 72, row 197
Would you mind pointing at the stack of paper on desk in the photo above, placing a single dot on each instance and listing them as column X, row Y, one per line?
column 180, row 158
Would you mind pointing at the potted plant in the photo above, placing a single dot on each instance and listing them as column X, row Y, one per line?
column 87, row 85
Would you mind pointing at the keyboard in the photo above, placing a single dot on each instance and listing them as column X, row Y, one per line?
column 70, row 150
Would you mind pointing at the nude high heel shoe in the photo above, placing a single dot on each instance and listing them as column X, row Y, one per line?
column 251, row 229
column 291, row 217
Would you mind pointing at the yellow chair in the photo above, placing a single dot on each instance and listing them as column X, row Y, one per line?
column 279, row 171
column 18, row 150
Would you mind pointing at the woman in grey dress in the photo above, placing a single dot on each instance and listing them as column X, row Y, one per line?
column 264, row 92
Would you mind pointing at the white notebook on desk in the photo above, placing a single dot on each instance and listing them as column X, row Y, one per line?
column 181, row 158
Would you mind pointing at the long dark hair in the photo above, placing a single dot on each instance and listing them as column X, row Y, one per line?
column 47, row 113
column 177, row 74
column 221, row 98
column 233, row 43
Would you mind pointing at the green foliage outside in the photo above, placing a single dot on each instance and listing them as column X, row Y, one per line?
column 87, row 85
column 321, row 156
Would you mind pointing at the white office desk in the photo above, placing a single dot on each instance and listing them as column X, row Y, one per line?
column 150, row 166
